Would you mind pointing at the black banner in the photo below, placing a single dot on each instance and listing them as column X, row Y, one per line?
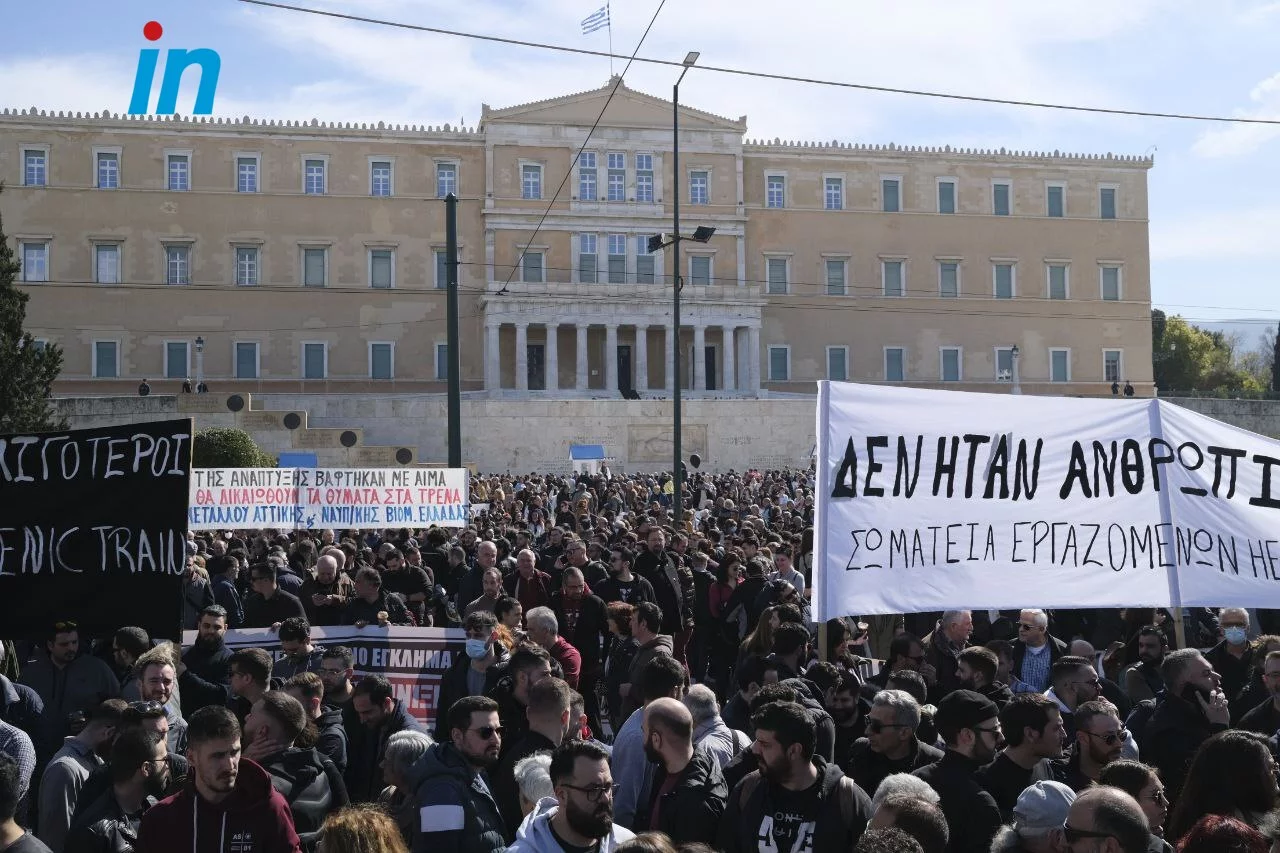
column 93, row 529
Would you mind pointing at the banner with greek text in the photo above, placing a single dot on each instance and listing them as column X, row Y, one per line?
column 413, row 659
column 349, row 498
column 936, row 500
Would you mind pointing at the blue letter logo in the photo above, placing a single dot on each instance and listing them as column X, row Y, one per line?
column 175, row 65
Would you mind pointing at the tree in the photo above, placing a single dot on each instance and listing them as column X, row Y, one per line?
column 1275, row 361
column 1191, row 361
column 227, row 447
column 27, row 372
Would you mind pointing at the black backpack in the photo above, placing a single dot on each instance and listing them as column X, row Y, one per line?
column 301, row 778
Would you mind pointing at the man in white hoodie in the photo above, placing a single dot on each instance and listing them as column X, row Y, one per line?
column 580, row 816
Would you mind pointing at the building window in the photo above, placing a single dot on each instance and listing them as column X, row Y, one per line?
column 442, row 362
column 382, row 268
column 645, row 265
column 775, row 191
column 176, row 355
column 833, row 193
column 442, row 269
column 587, row 176
column 380, row 178
column 313, row 177
column 1111, row 284
column 837, row 277
column 446, row 179
column 1002, row 284
column 531, row 181
column 315, row 360
column 108, row 171
column 35, row 168
column 1056, row 203
column 779, row 364
column 246, row 265
column 531, row 267
column 1004, row 364
column 698, row 188
column 106, row 359
column 1107, row 202
column 1001, row 198
column 890, row 195
column 700, row 270
column 891, row 276
column 1059, row 365
column 617, row 258
column 838, row 364
column 35, row 261
column 617, row 177
column 246, row 359
column 776, row 275
column 382, row 361
column 177, row 261
column 949, row 279
column 1057, row 281
column 895, row 361
column 39, row 344
column 1112, row 365
column 644, row 177
column 949, row 366
column 106, row 263
column 246, row 174
column 314, row 267
column 179, row 172
column 946, row 196
column 588, row 259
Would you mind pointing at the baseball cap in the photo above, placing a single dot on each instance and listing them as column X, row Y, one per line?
column 1043, row 805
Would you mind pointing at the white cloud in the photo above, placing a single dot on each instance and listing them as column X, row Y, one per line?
column 1243, row 234
column 1236, row 140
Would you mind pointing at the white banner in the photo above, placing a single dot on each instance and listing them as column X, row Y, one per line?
column 346, row 498
column 935, row 500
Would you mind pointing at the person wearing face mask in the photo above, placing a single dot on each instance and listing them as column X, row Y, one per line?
column 1233, row 657
column 139, row 777
column 549, row 715
column 474, row 673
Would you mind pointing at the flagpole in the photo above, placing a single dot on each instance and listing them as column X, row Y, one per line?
column 609, row 18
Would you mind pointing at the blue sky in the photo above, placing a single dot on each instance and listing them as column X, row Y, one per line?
column 1214, row 208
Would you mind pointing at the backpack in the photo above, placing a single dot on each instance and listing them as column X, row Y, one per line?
column 845, row 796
column 299, row 775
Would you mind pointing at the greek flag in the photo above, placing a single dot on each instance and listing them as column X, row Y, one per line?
column 597, row 20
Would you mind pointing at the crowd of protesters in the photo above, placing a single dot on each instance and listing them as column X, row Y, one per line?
column 634, row 679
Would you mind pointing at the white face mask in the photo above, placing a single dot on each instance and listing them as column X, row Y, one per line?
column 1236, row 636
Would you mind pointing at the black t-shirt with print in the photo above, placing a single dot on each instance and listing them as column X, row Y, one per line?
column 789, row 826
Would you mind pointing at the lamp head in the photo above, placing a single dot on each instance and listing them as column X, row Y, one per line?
column 657, row 242
column 691, row 58
column 703, row 233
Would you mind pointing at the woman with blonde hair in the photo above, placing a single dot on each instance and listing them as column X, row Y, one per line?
column 360, row 829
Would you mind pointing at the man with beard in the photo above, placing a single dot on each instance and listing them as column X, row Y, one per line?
column 844, row 704
column 580, row 818
column 227, row 799
column 337, row 669
column 268, row 604
column 1193, row 709
column 456, row 809
column 325, row 595
column 66, row 774
column 67, row 682
column 372, row 605
column 139, row 776
column 1032, row 724
column 331, row 737
column 1265, row 718
column 157, row 677
column 381, row 715
column 203, row 671
column 674, row 589
column 795, row 801
column 529, row 665
column 549, row 715
column 1143, row 679
column 471, row 586
column 891, row 745
column 526, row 584
column 688, row 793
column 409, row 582
column 1075, row 682
column 623, row 585
column 969, row 724
column 1099, row 741
column 977, row 670
column 300, row 654
column 491, row 580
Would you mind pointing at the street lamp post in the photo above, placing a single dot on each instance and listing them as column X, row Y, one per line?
column 199, row 362
column 1017, row 387
column 677, row 498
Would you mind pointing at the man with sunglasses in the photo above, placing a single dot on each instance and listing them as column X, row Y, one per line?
column 891, row 745
column 1106, row 820
column 1034, row 652
column 969, row 723
column 1075, row 682
column 1099, row 740
column 457, row 812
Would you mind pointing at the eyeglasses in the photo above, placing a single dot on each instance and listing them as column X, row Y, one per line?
column 875, row 726
column 594, row 792
column 1095, row 682
column 147, row 709
column 1110, row 738
column 168, row 759
column 1072, row 835
column 486, row 732
column 1158, row 797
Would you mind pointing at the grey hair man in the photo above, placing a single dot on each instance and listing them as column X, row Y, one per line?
column 710, row 731
column 533, row 778
column 891, row 745
column 942, row 650
column 906, row 785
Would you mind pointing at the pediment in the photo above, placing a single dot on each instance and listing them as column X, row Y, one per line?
column 628, row 108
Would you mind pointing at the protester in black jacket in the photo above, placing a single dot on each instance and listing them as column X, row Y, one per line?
column 331, row 734
column 203, row 677
column 688, row 794
column 139, row 774
column 480, row 664
column 268, row 604
column 674, row 589
column 1193, row 709
column 381, row 715
column 969, row 723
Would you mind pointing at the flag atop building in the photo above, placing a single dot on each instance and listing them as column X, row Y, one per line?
column 597, row 20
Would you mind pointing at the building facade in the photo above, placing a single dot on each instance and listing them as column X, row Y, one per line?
column 309, row 257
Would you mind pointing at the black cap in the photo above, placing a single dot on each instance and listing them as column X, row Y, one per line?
column 964, row 709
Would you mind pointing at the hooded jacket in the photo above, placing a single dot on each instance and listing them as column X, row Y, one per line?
column 837, row 825
column 365, row 751
column 535, row 835
column 331, row 742
column 808, row 695
column 310, row 784
column 205, row 679
column 453, row 685
column 659, row 645
column 690, row 811
column 456, row 810
column 254, row 819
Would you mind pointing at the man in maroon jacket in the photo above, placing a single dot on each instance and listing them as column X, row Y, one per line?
column 229, row 805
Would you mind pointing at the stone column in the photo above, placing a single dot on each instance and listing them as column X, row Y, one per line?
column 730, row 355
column 492, row 357
column 611, row 357
column 699, row 358
column 522, row 356
column 642, row 357
column 671, row 358
column 753, row 358
column 553, row 356
column 581, row 383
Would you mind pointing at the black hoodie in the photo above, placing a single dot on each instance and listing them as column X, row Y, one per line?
column 332, row 739
column 836, row 825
